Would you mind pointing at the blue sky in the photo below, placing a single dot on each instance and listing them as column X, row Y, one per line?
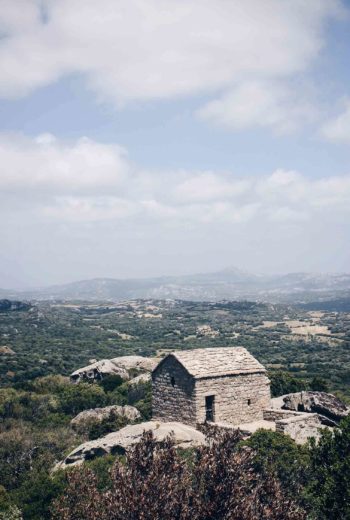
column 142, row 138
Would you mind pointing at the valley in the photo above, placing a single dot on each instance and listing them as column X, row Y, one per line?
column 59, row 337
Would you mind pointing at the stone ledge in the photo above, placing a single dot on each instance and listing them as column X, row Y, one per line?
column 306, row 418
column 272, row 414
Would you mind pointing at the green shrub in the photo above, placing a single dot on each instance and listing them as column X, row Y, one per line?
column 82, row 396
column 283, row 383
column 329, row 486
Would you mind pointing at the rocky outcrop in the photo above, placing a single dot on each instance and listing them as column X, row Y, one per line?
column 124, row 439
column 301, row 427
column 99, row 370
column 7, row 351
column 120, row 366
column 330, row 409
column 143, row 364
column 277, row 402
column 98, row 414
column 142, row 378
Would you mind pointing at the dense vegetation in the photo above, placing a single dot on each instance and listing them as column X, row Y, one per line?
column 157, row 483
column 58, row 338
column 267, row 477
column 35, row 433
column 40, row 344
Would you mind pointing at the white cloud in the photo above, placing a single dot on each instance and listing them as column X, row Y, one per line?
column 259, row 104
column 89, row 209
column 209, row 186
column 47, row 163
column 338, row 129
column 283, row 184
column 86, row 181
column 333, row 192
column 286, row 214
column 81, row 209
column 149, row 49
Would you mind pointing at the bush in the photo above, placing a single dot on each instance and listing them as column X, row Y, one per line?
column 279, row 453
column 283, row 383
column 110, row 424
column 37, row 492
column 156, row 483
column 24, row 450
column 111, row 382
column 11, row 513
column 318, row 384
column 82, row 396
column 329, row 486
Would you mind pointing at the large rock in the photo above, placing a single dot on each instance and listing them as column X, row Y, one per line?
column 7, row 351
column 118, row 442
column 98, row 414
column 277, row 402
column 99, row 370
column 143, row 364
column 119, row 365
column 140, row 379
column 330, row 408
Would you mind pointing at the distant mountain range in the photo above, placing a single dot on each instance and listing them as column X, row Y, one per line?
column 229, row 284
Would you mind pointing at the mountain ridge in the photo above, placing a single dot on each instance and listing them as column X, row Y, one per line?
column 230, row 283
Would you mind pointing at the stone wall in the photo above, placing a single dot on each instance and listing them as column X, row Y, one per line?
column 238, row 399
column 300, row 427
column 173, row 399
column 273, row 414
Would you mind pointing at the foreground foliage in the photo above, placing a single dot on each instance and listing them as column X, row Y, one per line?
column 217, row 481
column 266, row 477
column 329, row 488
column 35, row 433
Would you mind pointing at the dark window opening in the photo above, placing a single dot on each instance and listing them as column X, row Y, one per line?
column 172, row 381
column 210, row 408
column 249, row 402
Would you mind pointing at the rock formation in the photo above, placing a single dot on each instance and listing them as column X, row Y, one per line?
column 141, row 363
column 98, row 414
column 7, row 351
column 119, row 442
column 99, row 370
column 142, row 378
column 120, row 366
column 330, row 409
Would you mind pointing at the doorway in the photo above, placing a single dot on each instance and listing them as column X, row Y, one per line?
column 210, row 408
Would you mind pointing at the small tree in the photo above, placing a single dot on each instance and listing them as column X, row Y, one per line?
column 283, row 383
column 214, row 482
column 274, row 451
column 318, row 384
column 329, row 486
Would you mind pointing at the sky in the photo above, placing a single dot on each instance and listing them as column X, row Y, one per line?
column 154, row 137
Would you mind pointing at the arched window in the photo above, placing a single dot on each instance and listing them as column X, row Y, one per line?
column 172, row 381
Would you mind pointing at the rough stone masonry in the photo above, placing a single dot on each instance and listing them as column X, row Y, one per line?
column 222, row 385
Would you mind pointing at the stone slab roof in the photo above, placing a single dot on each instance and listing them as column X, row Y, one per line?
column 215, row 362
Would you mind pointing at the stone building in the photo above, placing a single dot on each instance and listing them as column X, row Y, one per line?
column 222, row 385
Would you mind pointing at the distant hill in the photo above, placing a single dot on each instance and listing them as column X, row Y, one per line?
column 334, row 305
column 229, row 284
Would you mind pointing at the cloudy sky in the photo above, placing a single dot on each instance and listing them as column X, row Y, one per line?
column 151, row 137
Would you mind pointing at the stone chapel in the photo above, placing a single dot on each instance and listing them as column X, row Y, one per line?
column 220, row 385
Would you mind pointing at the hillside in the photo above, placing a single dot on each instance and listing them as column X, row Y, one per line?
column 228, row 284
column 54, row 337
